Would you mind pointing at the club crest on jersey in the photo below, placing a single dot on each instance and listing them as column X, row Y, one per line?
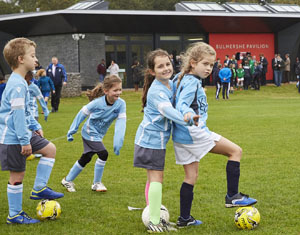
column 162, row 95
column 18, row 89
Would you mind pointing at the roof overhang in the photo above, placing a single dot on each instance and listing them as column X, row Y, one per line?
column 113, row 21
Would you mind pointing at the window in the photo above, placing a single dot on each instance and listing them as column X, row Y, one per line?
column 169, row 38
column 115, row 38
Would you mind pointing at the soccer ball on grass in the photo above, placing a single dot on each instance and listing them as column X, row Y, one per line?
column 48, row 209
column 247, row 217
column 164, row 214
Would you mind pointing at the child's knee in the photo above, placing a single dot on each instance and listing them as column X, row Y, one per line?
column 50, row 151
column 238, row 151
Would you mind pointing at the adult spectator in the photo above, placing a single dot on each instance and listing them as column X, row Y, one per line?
column 264, row 64
column 101, row 69
column 226, row 61
column 114, row 68
column 297, row 72
column 297, row 68
column 137, row 74
column 278, row 67
column 58, row 75
column 233, row 61
column 287, row 69
column 273, row 66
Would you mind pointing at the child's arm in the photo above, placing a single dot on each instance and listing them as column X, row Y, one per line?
column 51, row 84
column 120, row 127
column 17, row 101
column 41, row 100
column 39, row 84
column 186, row 97
column 164, row 106
column 81, row 115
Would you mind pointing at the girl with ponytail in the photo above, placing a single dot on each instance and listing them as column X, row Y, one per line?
column 154, row 131
column 105, row 106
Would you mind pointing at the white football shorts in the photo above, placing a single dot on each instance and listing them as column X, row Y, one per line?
column 203, row 143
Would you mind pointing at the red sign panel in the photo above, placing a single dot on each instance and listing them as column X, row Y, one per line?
column 255, row 43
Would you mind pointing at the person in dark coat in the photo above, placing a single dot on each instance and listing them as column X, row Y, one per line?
column 58, row 75
column 137, row 74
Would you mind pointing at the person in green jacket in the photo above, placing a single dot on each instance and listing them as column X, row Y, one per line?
column 240, row 76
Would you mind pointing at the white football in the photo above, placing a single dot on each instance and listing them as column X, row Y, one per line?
column 164, row 214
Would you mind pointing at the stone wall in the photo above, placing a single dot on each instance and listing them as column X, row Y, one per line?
column 81, row 56
column 73, row 87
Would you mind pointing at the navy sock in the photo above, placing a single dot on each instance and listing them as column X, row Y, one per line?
column 186, row 199
column 233, row 177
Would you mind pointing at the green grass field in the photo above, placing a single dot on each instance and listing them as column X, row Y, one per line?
column 264, row 123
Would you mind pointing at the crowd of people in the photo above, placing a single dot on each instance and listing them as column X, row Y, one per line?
column 251, row 73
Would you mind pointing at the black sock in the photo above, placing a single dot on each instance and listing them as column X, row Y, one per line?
column 233, row 177
column 186, row 199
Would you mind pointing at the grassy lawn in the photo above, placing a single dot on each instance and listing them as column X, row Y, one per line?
column 264, row 123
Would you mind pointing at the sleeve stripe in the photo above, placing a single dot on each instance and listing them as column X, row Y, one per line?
column 85, row 110
column 122, row 115
column 163, row 105
column 17, row 102
column 18, row 107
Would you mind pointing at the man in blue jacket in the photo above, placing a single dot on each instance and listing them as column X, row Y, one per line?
column 225, row 75
column 58, row 75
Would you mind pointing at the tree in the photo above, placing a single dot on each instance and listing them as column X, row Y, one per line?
column 8, row 7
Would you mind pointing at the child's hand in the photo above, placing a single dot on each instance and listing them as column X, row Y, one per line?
column 26, row 150
column 196, row 119
column 117, row 150
column 187, row 117
column 40, row 132
column 53, row 92
column 191, row 118
column 70, row 137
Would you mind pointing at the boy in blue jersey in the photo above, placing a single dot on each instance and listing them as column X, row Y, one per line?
column 225, row 76
column 105, row 107
column 21, row 134
column 193, row 143
column 154, row 132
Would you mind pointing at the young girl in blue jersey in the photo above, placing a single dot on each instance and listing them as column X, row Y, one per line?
column 45, row 84
column 154, row 131
column 194, row 142
column 105, row 107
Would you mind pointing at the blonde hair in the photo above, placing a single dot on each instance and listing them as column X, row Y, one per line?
column 149, row 78
column 108, row 83
column 15, row 48
column 197, row 52
column 40, row 72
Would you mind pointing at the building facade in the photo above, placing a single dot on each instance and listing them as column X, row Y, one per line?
column 80, row 38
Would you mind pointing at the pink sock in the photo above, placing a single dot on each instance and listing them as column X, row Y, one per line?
column 146, row 192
